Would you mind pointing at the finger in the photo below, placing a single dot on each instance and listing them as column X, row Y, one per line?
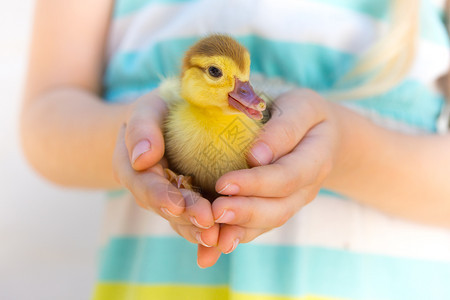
column 206, row 237
column 309, row 162
column 121, row 155
column 279, row 179
column 231, row 236
column 144, row 137
column 198, row 209
column 255, row 212
column 298, row 113
column 120, row 152
column 155, row 192
column 207, row 257
column 210, row 236
column 150, row 189
column 185, row 231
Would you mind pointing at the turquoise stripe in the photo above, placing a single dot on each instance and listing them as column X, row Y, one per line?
column 111, row 194
column 158, row 260
column 410, row 102
column 278, row 270
column 128, row 92
column 330, row 193
column 132, row 70
column 307, row 65
column 339, row 273
column 126, row 7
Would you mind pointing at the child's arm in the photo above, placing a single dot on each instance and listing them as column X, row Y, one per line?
column 68, row 132
column 401, row 174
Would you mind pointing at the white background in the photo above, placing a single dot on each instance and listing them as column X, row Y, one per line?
column 48, row 235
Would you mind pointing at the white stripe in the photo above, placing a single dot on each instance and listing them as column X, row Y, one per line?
column 431, row 62
column 325, row 222
column 125, row 217
column 314, row 22
column 344, row 224
column 439, row 3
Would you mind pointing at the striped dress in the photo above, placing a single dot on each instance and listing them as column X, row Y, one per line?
column 334, row 248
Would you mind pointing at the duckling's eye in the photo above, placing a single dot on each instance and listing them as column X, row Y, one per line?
column 215, row 72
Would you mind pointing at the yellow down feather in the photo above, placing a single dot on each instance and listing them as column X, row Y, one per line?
column 204, row 136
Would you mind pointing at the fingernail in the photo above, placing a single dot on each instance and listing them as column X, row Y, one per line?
column 198, row 237
column 195, row 222
column 199, row 265
column 262, row 153
column 230, row 188
column 140, row 148
column 233, row 247
column 168, row 212
column 227, row 216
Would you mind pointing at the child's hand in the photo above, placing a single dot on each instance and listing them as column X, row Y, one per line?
column 292, row 157
column 138, row 165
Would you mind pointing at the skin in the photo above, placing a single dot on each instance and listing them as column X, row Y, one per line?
column 313, row 144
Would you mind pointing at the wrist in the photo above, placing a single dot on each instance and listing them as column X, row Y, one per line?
column 358, row 139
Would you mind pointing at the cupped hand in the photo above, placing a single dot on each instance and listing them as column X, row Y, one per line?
column 139, row 164
column 291, row 158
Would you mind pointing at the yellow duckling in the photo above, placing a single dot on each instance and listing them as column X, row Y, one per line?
column 214, row 114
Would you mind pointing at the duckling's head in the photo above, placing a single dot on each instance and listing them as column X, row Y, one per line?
column 215, row 75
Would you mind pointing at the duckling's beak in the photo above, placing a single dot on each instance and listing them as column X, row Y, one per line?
column 243, row 98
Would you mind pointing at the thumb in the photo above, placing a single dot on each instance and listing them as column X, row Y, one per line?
column 298, row 112
column 144, row 138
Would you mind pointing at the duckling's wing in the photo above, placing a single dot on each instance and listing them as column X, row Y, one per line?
column 169, row 90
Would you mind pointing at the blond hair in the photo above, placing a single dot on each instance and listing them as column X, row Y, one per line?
column 389, row 60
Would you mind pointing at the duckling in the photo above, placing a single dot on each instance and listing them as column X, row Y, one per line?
column 214, row 114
